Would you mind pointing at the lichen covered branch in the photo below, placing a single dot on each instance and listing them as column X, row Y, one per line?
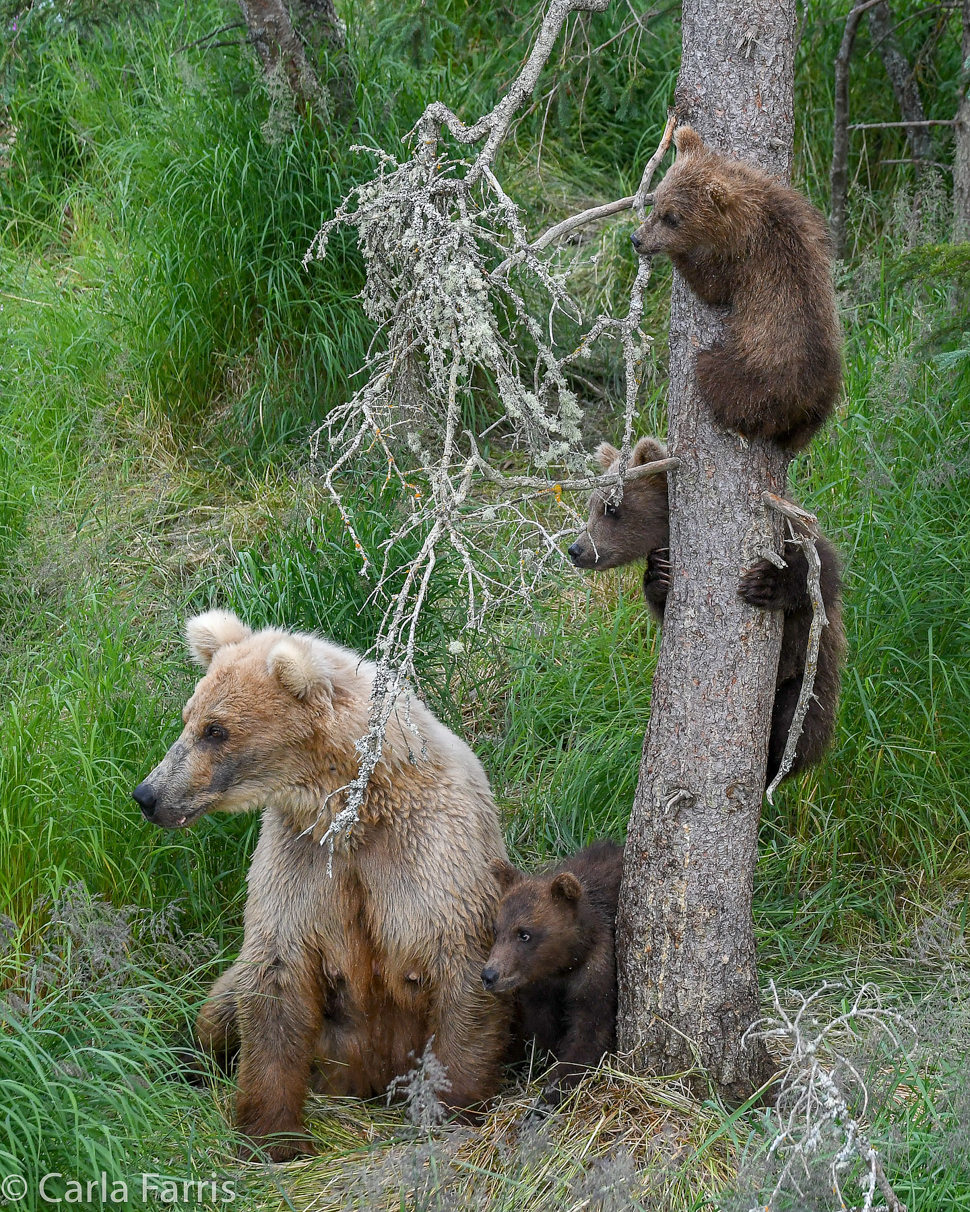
column 460, row 296
column 822, row 1098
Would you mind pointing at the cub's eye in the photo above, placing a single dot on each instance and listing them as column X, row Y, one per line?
column 610, row 510
column 215, row 732
column 525, row 936
column 670, row 219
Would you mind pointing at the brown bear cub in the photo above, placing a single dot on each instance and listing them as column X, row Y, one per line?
column 554, row 948
column 743, row 240
column 638, row 528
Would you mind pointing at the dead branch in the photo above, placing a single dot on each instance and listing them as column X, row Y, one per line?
column 806, row 521
column 280, row 50
column 223, row 29
column 495, row 125
column 812, row 1108
column 638, row 202
column 427, row 228
column 905, row 87
column 657, row 468
column 642, row 199
column 790, row 510
column 947, row 168
column 961, row 148
column 840, row 142
column 887, row 125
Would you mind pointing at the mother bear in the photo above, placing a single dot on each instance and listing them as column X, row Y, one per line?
column 346, row 971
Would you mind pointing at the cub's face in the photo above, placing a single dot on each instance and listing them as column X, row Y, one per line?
column 246, row 729
column 618, row 534
column 693, row 208
column 535, row 931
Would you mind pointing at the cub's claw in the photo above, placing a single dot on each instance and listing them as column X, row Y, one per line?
column 658, row 565
column 760, row 586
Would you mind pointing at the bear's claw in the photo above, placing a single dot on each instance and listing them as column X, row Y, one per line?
column 760, row 586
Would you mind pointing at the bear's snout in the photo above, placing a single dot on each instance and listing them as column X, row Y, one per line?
column 582, row 553
column 641, row 240
column 489, row 977
column 146, row 798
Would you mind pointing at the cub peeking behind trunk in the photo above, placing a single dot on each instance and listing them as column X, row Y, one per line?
column 638, row 528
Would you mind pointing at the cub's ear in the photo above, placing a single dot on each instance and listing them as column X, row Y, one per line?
column 606, row 455
column 209, row 632
column 720, row 194
column 505, row 873
column 647, row 450
column 566, row 887
column 300, row 668
column 687, row 141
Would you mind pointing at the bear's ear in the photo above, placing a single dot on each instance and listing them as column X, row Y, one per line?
column 647, row 450
column 687, row 141
column 566, row 887
column 720, row 194
column 606, row 455
column 300, row 668
column 505, row 874
column 209, row 632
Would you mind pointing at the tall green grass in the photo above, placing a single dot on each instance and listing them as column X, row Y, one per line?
column 163, row 357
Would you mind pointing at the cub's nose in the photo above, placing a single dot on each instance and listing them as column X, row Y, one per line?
column 146, row 799
column 634, row 241
column 574, row 551
column 489, row 977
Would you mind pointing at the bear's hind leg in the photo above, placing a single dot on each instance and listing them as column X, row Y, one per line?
column 817, row 728
column 745, row 404
column 215, row 1038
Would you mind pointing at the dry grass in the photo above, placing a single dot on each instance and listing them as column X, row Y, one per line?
column 619, row 1140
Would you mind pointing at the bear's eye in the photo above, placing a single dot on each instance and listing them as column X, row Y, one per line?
column 215, row 732
column 610, row 510
column 670, row 219
column 525, row 936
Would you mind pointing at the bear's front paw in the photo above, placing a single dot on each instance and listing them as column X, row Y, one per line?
column 761, row 586
column 272, row 1142
column 274, row 1149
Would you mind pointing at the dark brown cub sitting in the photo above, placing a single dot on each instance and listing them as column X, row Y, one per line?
column 554, row 948
column 638, row 528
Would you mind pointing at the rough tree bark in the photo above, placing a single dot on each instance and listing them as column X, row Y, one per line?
column 685, row 936
column 883, row 34
column 961, row 147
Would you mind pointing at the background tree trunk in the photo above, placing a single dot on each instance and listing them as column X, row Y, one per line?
column 685, row 936
column 961, row 146
column 882, row 32
column 279, row 47
column 840, row 132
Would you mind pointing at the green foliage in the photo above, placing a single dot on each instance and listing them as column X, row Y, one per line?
column 163, row 358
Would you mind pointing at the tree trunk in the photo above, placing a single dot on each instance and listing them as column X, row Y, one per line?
column 840, row 131
column 317, row 20
column 685, row 938
column 318, row 24
column 882, row 32
column 961, row 148
column 279, row 48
